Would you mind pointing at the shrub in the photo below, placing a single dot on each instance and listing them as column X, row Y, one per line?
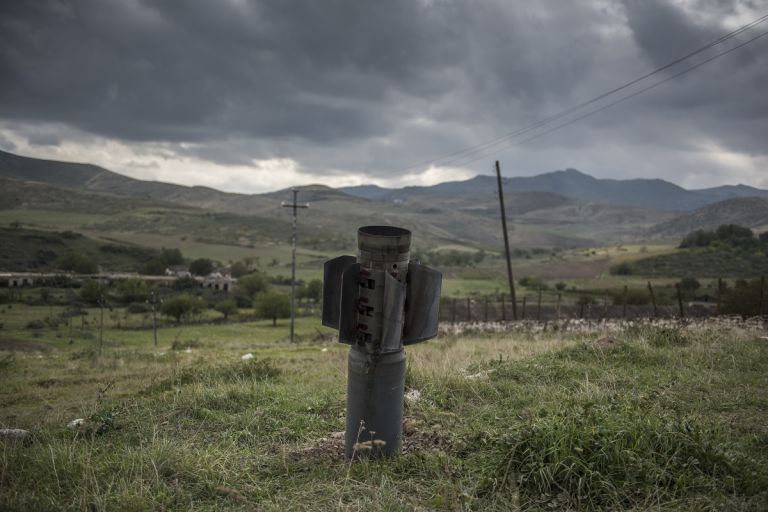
column 667, row 337
column 137, row 308
column 201, row 267
column 35, row 324
column 622, row 269
column 533, row 282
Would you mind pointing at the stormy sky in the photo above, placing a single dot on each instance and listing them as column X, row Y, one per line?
column 252, row 96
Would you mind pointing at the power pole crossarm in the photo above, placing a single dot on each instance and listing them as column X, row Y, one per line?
column 294, row 205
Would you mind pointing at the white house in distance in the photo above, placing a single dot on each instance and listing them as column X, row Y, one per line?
column 220, row 279
column 178, row 271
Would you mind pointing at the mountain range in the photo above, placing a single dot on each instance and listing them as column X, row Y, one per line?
column 571, row 183
column 562, row 208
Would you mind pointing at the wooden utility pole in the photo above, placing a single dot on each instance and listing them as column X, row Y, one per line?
column 506, row 243
column 294, row 235
column 653, row 300
column 680, row 300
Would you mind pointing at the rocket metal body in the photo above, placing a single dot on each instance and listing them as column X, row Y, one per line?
column 379, row 302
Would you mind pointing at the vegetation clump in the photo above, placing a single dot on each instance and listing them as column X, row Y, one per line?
column 616, row 456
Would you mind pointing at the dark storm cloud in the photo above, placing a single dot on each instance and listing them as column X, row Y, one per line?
column 200, row 70
column 375, row 86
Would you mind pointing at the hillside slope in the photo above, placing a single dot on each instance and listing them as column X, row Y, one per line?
column 38, row 250
column 751, row 212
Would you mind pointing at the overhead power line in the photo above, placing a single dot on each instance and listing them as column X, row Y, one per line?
column 472, row 150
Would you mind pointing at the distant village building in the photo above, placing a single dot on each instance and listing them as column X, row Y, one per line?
column 178, row 271
column 219, row 281
column 19, row 279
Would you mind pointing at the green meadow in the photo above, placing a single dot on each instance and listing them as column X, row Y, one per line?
column 591, row 417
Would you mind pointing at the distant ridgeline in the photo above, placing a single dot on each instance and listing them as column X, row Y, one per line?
column 728, row 251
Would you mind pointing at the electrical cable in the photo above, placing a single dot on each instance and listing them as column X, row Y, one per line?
column 625, row 98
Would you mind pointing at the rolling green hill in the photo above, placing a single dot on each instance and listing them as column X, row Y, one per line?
column 550, row 210
column 751, row 212
column 35, row 250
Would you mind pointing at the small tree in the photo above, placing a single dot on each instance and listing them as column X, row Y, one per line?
column 181, row 306
column 92, row 291
column 78, row 263
column 226, row 307
column 249, row 285
column 272, row 305
column 238, row 269
column 314, row 290
column 688, row 286
column 201, row 267
column 132, row 290
column 171, row 257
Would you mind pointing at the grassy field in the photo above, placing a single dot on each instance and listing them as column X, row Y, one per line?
column 609, row 417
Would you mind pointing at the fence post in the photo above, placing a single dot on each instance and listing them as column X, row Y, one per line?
column 538, row 307
column 557, row 308
column 653, row 300
column 680, row 300
column 524, row 297
column 453, row 310
column 469, row 309
column 485, row 310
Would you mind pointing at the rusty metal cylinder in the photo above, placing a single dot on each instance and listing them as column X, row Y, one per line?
column 376, row 371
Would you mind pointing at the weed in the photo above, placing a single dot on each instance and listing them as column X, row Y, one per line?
column 35, row 324
column 667, row 337
column 184, row 345
column 6, row 362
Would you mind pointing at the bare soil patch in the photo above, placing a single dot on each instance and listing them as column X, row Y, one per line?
column 416, row 438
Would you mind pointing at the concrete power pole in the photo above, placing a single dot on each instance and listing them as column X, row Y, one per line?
column 294, row 236
column 379, row 302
